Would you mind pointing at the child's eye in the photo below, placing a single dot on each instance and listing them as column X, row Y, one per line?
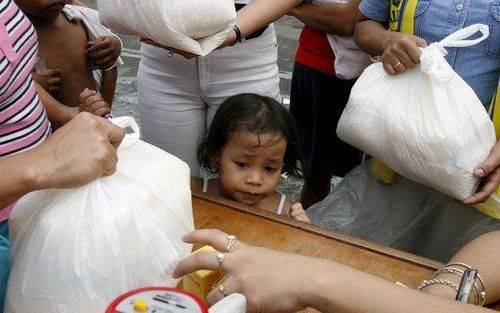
column 271, row 169
column 240, row 164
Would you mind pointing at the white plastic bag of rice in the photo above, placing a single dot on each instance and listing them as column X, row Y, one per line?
column 426, row 124
column 196, row 26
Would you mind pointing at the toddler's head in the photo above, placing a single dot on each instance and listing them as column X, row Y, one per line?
column 252, row 140
column 42, row 9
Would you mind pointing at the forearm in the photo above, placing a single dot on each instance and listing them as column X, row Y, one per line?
column 18, row 177
column 77, row 2
column 483, row 254
column 57, row 113
column 335, row 18
column 337, row 288
column 371, row 36
column 109, row 85
column 259, row 13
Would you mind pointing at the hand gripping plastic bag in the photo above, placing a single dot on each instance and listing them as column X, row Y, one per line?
column 426, row 124
column 196, row 26
column 76, row 250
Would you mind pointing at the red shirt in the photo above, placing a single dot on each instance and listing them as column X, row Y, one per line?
column 314, row 51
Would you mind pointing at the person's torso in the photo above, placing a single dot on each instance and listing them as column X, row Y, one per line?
column 23, row 120
column 63, row 46
column 314, row 51
column 478, row 65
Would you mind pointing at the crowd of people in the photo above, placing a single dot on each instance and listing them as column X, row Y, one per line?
column 221, row 114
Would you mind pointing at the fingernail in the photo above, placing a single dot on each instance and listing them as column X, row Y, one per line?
column 85, row 89
column 480, row 172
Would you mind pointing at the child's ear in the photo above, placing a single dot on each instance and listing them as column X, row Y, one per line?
column 215, row 162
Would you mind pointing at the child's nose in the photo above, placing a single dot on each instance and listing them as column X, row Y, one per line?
column 254, row 178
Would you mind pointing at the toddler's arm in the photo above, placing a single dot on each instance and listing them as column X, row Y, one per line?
column 298, row 213
column 109, row 85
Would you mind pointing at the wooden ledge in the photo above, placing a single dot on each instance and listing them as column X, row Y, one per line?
column 262, row 228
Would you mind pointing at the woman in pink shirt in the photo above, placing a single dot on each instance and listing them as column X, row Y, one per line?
column 85, row 148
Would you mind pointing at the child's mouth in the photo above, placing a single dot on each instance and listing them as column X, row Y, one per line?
column 249, row 196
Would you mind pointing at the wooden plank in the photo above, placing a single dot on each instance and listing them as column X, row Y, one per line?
column 266, row 229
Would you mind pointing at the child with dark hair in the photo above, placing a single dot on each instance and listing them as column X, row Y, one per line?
column 252, row 141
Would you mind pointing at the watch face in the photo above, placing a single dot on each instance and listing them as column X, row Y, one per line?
column 158, row 300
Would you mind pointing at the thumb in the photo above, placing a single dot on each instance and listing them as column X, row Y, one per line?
column 490, row 164
column 421, row 42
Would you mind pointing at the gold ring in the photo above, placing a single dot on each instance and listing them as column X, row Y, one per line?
column 397, row 64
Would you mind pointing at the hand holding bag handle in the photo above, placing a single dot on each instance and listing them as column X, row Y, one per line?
column 124, row 122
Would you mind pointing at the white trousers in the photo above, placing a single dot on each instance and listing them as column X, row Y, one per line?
column 178, row 98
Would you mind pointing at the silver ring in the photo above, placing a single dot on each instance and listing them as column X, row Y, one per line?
column 223, row 290
column 220, row 258
column 170, row 53
column 231, row 240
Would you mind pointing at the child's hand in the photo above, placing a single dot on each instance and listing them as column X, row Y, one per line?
column 104, row 51
column 93, row 102
column 49, row 79
column 298, row 213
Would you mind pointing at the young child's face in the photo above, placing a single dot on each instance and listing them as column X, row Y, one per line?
column 250, row 169
column 43, row 9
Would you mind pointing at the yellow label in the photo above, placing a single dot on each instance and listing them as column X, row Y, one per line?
column 201, row 282
column 394, row 14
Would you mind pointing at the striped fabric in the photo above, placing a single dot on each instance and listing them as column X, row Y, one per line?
column 23, row 121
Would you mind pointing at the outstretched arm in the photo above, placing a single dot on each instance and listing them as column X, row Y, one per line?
column 398, row 51
column 481, row 253
column 81, row 150
column 258, row 14
column 335, row 18
column 281, row 282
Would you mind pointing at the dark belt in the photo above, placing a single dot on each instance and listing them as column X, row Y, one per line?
column 256, row 33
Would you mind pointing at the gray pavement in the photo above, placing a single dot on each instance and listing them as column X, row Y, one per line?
column 126, row 101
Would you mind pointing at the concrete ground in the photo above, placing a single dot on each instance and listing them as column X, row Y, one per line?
column 287, row 29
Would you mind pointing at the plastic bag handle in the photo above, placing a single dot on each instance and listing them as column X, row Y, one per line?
column 124, row 122
column 431, row 59
column 457, row 38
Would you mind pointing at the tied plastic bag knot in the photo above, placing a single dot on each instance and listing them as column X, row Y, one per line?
column 126, row 122
column 433, row 63
column 432, row 59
